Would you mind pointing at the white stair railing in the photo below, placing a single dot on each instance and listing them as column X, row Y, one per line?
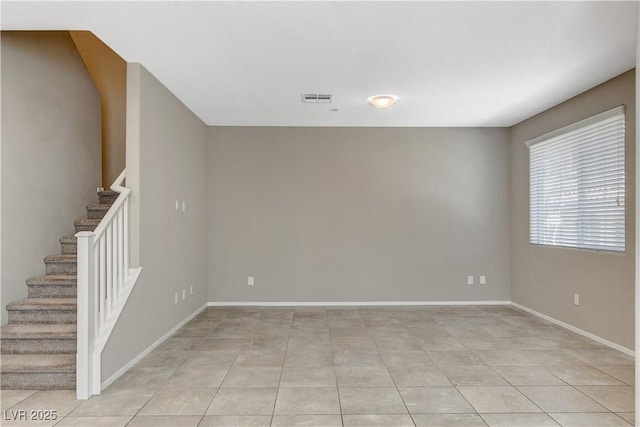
column 105, row 281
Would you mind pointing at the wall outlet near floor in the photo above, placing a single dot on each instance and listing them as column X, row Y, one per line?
column 576, row 299
column 483, row 280
column 250, row 281
column 469, row 280
column 191, row 289
column 176, row 299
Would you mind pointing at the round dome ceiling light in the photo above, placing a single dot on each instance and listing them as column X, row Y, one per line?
column 382, row 101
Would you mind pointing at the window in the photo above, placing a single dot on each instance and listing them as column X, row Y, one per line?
column 576, row 184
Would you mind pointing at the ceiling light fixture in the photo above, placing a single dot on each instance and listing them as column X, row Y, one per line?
column 382, row 101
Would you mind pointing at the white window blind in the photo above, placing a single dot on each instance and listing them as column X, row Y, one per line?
column 576, row 182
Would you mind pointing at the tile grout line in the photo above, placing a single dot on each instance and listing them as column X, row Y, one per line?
column 225, row 376
column 391, row 376
column 506, row 380
column 335, row 373
column 218, row 388
column 456, row 387
column 181, row 365
column 284, row 358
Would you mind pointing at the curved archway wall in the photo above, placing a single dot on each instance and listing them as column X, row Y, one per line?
column 109, row 73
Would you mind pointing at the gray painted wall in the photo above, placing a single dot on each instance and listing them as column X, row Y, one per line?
column 173, row 248
column 358, row 214
column 50, row 151
column 545, row 279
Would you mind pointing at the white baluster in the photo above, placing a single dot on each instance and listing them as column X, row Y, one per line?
column 120, row 253
column 103, row 278
column 116, row 258
column 95, row 313
column 125, row 246
column 109, row 268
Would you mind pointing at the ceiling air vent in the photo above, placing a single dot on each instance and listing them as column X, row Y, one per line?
column 317, row 97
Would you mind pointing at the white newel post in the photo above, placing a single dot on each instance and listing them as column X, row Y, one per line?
column 86, row 298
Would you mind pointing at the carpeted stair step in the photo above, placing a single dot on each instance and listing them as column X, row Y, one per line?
column 107, row 197
column 55, row 286
column 38, row 346
column 43, row 310
column 69, row 245
column 38, row 372
column 86, row 224
column 61, row 264
column 38, row 338
column 97, row 211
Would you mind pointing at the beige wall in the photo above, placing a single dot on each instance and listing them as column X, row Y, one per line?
column 358, row 214
column 545, row 279
column 50, row 151
column 171, row 144
column 109, row 74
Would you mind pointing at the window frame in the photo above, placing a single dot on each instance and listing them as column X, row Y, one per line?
column 579, row 237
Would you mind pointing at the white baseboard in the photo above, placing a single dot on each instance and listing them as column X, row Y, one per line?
column 579, row 331
column 149, row 349
column 348, row 303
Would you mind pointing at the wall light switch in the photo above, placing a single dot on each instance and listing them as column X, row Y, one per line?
column 177, row 205
column 191, row 289
column 176, row 298
column 250, row 281
column 576, row 299
column 483, row 280
column 469, row 280
column 184, row 206
column 184, row 294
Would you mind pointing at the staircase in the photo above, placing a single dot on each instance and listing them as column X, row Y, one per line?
column 39, row 343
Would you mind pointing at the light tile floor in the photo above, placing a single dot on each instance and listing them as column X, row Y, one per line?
column 364, row 366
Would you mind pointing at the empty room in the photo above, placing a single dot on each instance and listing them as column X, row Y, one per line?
column 230, row 213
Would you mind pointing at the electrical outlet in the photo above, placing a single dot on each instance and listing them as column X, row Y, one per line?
column 176, row 298
column 469, row 280
column 191, row 289
column 184, row 294
column 576, row 299
column 483, row 280
column 250, row 281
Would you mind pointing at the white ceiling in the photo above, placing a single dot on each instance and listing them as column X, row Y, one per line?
column 450, row 63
